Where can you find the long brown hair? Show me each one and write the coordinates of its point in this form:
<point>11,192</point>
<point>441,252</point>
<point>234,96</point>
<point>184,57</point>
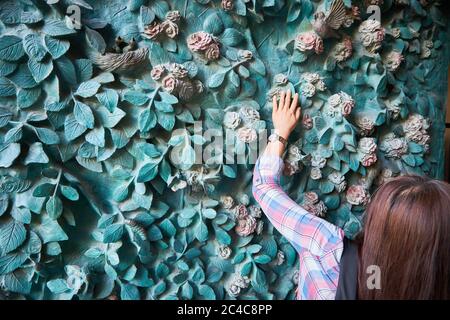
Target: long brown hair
<point>407,235</point>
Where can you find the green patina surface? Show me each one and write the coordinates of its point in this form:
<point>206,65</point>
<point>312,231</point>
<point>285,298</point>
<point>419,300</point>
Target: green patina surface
<point>95,203</point>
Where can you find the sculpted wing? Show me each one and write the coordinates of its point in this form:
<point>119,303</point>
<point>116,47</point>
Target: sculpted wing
<point>336,15</point>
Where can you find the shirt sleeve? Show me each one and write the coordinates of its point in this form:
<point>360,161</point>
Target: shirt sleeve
<point>304,230</point>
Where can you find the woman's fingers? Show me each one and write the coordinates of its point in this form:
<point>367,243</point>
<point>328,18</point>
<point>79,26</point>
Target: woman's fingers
<point>282,96</point>
<point>298,112</point>
<point>287,101</point>
<point>274,103</point>
<point>294,104</point>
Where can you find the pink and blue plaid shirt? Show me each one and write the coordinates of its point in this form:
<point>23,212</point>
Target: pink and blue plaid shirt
<point>319,243</point>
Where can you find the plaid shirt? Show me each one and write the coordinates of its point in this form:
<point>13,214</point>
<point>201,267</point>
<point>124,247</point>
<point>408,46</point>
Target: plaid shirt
<point>319,243</point>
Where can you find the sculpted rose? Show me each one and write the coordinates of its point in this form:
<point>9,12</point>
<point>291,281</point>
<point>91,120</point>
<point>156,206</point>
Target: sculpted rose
<point>249,115</point>
<point>178,70</point>
<point>157,72</point>
<point>170,83</point>
<point>247,135</point>
<point>311,197</point>
<point>199,41</point>
<point>152,30</point>
<point>307,121</point>
<point>170,28</point>
<point>369,159</point>
<point>227,5</point>
<point>347,107</point>
<point>227,202</point>
<point>246,226</point>
<point>231,120</point>
<point>212,52</point>
<point>173,16</point>
<point>318,45</point>
<point>306,41</point>
<point>241,211</point>
<point>357,195</point>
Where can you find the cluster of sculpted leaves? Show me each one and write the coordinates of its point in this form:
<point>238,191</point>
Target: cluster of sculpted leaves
<point>102,194</point>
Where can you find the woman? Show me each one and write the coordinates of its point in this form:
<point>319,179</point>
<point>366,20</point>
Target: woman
<point>403,253</point>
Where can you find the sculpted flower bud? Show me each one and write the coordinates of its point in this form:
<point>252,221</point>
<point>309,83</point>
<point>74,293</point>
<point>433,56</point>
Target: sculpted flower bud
<point>280,79</point>
<point>290,168</point>
<point>308,41</point>
<point>295,277</point>
<point>338,180</point>
<point>227,202</point>
<point>231,120</point>
<point>259,227</point>
<point>316,173</point>
<point>365,124</point>
<point>152,30</point>
<point>416,130</point>
<point>343,50</point>
<point>244,199</point>
<point>384,176</point>
<point>234,290</point>
<point>249,115</point>
<point>394,147</point>
<point>240,212</point>
<point>178,70</point>
<point>340,103</point>
<point>157,72</point>
<point>311,197</point>
<point>348,21</point>
<point>369,159</point>
<point>246,226</point>
<point>170,28</point>
<point>347,107</point>
<point>255,211</point>
<point>245,54</point>
<point>318,209</point>
<point>371,34</point>
<point>308,89</point>
<point>321,86</point>
<point>212,52</point>
<point>318,46</point>
<point>247,135</point>
<point>357,195</point>
<point>356,12</point>
<point>198,86</point>
<point>311,77</point>
<point>224,252</point>
<point>241,281</point>
<point>396,33</point>
<point>293,153</point>
<point>318,161</point>
<point>170,83</point>
<point>367,145</point>
<point>280,258</point>
<point>185,90</point>
<point>307,121</point>
<point>173,16</point>
<point>334,100</point>
<point>393,60</point>
<point>305,41</point>
<point>199,41</point>
<point>227,5</point>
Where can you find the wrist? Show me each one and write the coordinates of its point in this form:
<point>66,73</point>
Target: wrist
<point>282,133</point>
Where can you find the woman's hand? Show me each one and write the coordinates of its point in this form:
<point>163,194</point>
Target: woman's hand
<point>285,113</point>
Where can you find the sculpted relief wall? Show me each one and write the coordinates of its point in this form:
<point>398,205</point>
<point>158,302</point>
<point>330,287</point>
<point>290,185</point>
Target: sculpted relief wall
<point>103,104</point>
